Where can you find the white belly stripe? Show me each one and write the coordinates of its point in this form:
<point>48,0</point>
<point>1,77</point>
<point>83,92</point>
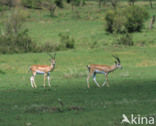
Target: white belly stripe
<point>101,72</point>
<point>40,72</point>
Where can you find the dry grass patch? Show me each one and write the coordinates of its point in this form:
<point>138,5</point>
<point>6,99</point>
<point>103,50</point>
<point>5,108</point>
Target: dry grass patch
<point>146,63</point>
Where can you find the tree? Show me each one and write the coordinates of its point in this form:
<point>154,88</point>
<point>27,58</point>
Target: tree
<point>76,3</point>
<point>100,2</point>
<point>152,22</point>
<point>114,3</point>
<point>150,1</point>
<point>52,9</point>
<point>131,2</point>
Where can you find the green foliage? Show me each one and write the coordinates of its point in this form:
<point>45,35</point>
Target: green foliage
<point>59,3</point>
<point>125,39</point>
<point>52,9</point>
<point>15,39</point>
<point>66,41</point>
<point>36,4</point>
<point>129,19</point>
<point>131,2</point>
<point>135,18</point>
<point>47,47</point>
<point>132,89</point>
<point>77,2</point>
<point>3,8</point>
<point>18,43</point>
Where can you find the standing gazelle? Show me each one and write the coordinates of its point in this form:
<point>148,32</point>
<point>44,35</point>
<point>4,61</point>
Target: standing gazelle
<point>102,69</point>
<point>42,69</point>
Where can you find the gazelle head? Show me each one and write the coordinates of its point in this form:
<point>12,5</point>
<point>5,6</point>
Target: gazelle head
<point>117,62</point>
<point>53,62</point>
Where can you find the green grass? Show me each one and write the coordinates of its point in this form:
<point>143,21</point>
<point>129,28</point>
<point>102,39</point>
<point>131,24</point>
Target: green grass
<point>85,24</point>
<point>131,91</point>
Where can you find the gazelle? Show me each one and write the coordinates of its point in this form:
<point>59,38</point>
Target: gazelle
<point>102,69</point>
<point>42,69</point>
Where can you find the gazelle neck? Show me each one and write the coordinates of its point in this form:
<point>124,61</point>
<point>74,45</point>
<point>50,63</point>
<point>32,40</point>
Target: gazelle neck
<point>52,66</point>
<point>113,68</point>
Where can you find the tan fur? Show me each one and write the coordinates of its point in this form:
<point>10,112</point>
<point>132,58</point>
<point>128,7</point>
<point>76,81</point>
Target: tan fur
<point>42,68</point>
<point>102,68</point>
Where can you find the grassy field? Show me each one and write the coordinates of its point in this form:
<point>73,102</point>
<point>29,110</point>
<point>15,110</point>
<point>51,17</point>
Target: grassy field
<point>85,24</point>
<point>131,91</point>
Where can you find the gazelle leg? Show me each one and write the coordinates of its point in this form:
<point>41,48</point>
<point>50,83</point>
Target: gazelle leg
<point>35,83</point>
<point>107,80</point>
<point>104,82</point>
<point>88,79</point>
<point>45,75</point>
<point>34,74</point>
<point>94,79</point>
<point>48,78</point>
<point>31,81</point>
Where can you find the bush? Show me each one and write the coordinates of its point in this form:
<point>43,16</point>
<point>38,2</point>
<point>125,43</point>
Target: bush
<point>66,41</point>
<point>48,47</point>
<point>52,9</point>
<point>3,8</point>
<point>129,19</point>
<point>15,39</point>
<point>39,4</point>
<point>135,18</point>
<point>76,2</point>
<point>18,43</point>
<point>36,4</point>
<point>59,3</point>
<point>125,39</point>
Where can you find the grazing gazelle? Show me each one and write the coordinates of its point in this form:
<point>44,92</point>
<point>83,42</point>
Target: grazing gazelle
<point>42,69</point>
<point>102,69</point>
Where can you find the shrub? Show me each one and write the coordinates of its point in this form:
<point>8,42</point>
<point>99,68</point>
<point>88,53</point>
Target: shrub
<point>18,43</point>
<point>36,4</point>
<point>9,3</point>
<point>135,18</point>
<point>15,39</point>
<point>59,3</point>
<point>52,9</point>
<point>3,8</point>
<point>47,47</point>
<point>76,2</point>
<point>39,4</point>
<point>66,41</point>
<point>125,39</point>
<point>129,19</point>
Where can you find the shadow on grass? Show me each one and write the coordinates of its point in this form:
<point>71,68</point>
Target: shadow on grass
<point>2,72</point>
<point>75,95</point>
